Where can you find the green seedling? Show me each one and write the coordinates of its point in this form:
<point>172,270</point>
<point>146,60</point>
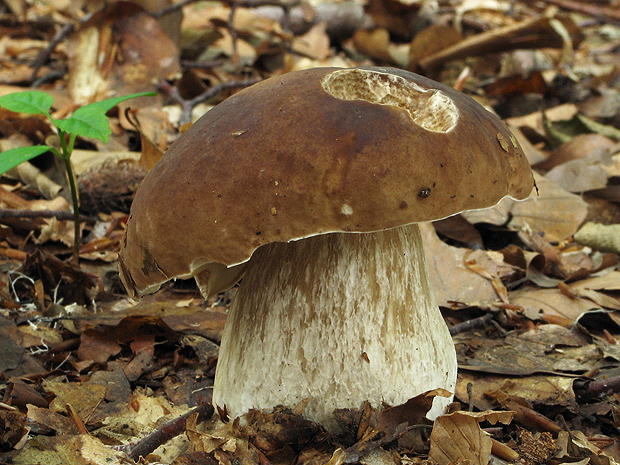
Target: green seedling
<point>88,121</point>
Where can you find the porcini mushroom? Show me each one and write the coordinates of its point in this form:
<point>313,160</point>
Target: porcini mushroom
<point>310,185</point>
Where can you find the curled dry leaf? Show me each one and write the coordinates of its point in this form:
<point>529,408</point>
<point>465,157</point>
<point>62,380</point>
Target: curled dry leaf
<point>547,390</point>
<point>62,281</point>
<point>495,357</point>
<point>32,176</point>
<point>566,263</point>
<point>457,436</point>
<point>86,161</point>
<point>533,153</point>
<point>39,335</point>
<point>457,228</point>
<point>12,428</point>
<point>218,435</point>
<point>578,445</point>
<point>270,432</point>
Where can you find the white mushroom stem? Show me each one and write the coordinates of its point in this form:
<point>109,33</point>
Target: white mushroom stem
<point>341,318</point>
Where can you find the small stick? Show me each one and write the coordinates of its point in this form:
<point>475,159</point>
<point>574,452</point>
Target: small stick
<point>233,33</point>
<point>77,420</point>
<point>164,433</point>
<point>470,324</point>
<point>532,419</point>
<point>44,55</point>
<point>587,8</point>
<point>188,105</point>
<point>504,452</point>
<point>13,253</point>
<point>62,215</point>
<point>602,386</point>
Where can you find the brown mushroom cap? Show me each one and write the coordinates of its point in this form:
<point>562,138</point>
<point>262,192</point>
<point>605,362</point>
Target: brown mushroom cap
<point>312,152</point>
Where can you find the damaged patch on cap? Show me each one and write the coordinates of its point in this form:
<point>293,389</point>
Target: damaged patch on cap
<point>429,108</point>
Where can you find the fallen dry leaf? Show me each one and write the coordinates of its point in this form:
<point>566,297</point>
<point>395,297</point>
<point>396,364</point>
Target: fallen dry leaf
<point>539,304</point>
<point>50,419</point>
<point>81,449</point>
<point>458,436</point>
<point>431,40</point>
<point>451,280</point>
<point>314,43</point>
<point>121,48</point>
<point>12,428</point>
<point>550,210</point>
<point>592,146</point>
<point>599,236</point>
<point>85,399</point>
<point>580,446</point>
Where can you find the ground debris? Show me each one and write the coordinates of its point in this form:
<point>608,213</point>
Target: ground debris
<point>90,376</point>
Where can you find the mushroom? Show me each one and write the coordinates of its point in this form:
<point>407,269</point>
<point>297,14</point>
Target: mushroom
<point>310,185</point>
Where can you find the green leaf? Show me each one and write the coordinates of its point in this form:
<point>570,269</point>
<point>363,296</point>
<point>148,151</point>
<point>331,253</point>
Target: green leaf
<point>31,101</point>
<point>13,157</point>
<point>91,121</point>
<point>603,129</point>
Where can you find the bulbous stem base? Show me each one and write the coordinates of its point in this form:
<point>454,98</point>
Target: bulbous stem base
<point>341,318</point>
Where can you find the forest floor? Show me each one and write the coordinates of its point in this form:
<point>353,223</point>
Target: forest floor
<point>530,290</point>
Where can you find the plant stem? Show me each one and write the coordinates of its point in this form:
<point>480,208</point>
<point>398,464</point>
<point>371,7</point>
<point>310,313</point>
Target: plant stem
<point>66,157</point>
<point>76,211</point>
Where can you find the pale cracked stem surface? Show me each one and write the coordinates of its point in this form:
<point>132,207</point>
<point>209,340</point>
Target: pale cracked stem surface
<point>341,318</point>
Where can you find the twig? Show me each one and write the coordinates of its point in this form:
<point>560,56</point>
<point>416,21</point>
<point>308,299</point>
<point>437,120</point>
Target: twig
<point>76,419</point>
<point>51,76</point>
<point>587,8</point>
<point>530,418</point>
<point>201,65</point>
<point>44,55</point>
<point>188,105</point>
<point>503,451</point>
<point>213,91</point>
<point>603,386</point>
<point>62,215</point>
<point>13,253</point>
<point>470,324</point>
<point>233,32</point>
<point>164,433</point>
